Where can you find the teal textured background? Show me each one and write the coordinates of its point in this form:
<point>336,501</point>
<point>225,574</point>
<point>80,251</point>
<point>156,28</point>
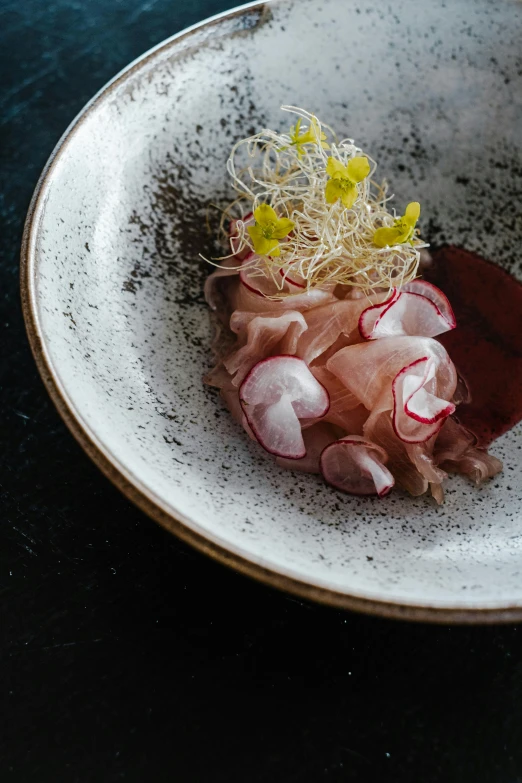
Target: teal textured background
<point>124,654</point>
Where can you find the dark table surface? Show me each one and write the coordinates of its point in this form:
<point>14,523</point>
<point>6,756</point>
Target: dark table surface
<point>124,654</point>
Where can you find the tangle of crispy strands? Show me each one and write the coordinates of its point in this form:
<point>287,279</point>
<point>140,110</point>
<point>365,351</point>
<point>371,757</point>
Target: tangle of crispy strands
<point>329,244</point>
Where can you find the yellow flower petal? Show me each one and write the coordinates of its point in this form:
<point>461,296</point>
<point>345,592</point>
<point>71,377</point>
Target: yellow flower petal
<point>349,196</point>
<point>314,126</point>
<point>313,135</point>
<point>412,213</point>
<point>264,215</point>
<point>332,190</point>
<point>258,240</point>
<point>294,131</point>
<point>283,228</point>
<point>307,138</point>
<point>262,245</point>
<point>358,169</point>
<point>384,237</point>
<point>334,168</point>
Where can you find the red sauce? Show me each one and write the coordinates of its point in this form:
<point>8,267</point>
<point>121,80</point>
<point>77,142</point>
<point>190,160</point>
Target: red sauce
<point>486,346</point>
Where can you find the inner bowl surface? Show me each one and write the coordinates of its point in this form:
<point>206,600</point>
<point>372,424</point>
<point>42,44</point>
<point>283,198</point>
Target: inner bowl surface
<point>112,283</point>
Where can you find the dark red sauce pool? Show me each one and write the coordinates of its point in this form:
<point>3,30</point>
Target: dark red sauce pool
<point>486,346</point>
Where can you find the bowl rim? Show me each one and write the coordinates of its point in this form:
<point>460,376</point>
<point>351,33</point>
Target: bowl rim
<point>130,485</point>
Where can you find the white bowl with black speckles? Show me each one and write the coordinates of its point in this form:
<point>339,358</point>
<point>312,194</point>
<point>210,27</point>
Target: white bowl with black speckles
<point>112,284</point>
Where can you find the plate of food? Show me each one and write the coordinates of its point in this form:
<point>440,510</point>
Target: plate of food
<point>271,279</point>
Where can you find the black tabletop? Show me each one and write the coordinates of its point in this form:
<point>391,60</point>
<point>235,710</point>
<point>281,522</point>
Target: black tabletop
<point>124,654</point>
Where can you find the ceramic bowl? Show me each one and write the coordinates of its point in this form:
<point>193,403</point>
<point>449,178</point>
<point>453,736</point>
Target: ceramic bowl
<point>112,284</point>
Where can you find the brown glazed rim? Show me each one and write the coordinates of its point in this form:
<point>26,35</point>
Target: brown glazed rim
<point>130,485</point>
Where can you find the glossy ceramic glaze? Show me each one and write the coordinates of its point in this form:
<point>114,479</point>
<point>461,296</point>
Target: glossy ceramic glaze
<point>112,284</point>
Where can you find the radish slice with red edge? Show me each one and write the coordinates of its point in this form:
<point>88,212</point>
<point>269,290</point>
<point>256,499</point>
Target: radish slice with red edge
<point>243,298</point>
<point>408,313</point>
<point>231,399</point>
<point>315,438</point>
<point>263,285</point>
<point>357,466</point>
<point>435,295</point>
<point>276,393</point>
<point>293,278</point>
<point>254,281</point>
<point>369,318</point>
<point>418,413</point>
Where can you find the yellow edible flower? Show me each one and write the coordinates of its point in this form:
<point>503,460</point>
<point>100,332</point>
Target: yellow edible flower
<point>344,179</point>
<point>403,228</point>
<point>311,136</point>
<point>268,230</point>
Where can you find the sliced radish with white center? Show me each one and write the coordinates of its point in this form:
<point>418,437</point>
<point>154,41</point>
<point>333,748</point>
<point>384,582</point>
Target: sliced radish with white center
<point>435,295</point>
<point>277,428</point>
<point>368,369</point>
<point>276,393</point>
<point>408,313</point>
<point>261,336</point>
<point>370,317</point>
<point>356,466</point>
<point>418,413</point>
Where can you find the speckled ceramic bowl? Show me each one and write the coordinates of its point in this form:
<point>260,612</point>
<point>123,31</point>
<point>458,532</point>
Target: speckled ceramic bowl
<point>112,284</point>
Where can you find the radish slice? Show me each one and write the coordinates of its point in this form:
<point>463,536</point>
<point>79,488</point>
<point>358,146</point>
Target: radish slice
<point>476,464</point>
<point>229,266</point>
<point>231,399</point>
<point>263,285</point>
<point>315,439</point>
<point>462,393</point>
<point>437,492</point>
<point>421,455</point>
<point>211,290</point>
<point>453,441</point>
<point>378,429</point>
<point>293,278</point>
<point>368,369</point>
<point>341,399</point>
<point>243,298</point>
<point>276,393</point>
<point>345,411</point>
<point>326,324</point>
<point>455,450</point>
<point>370,317</point>
<point>436,296</point>
<point>407,313</point>
<point>356,466</point>
<point>262,335</point>
<point>254,281</point>
<point>418,413</point>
